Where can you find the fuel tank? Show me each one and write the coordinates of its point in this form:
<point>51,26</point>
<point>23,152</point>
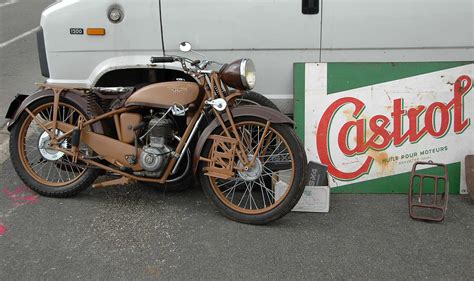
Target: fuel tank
<point>165,94</point>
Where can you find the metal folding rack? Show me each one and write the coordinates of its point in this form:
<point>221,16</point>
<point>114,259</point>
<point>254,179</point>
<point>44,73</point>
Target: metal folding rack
<point>419,202</point>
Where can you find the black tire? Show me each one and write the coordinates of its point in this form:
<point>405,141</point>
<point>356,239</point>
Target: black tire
<point>287,203</point>
<point>254,98</point>
<point>83,181</point>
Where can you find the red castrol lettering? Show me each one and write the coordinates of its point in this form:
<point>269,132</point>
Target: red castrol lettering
<point>450,113</point>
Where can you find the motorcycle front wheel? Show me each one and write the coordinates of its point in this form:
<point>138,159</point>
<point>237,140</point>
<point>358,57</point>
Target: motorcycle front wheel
<point>268,190</point>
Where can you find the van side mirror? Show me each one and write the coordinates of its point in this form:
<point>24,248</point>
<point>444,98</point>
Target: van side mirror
<point>185,47</point>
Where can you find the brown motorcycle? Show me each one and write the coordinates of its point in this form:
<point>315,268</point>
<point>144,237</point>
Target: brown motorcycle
<point>248,158</point>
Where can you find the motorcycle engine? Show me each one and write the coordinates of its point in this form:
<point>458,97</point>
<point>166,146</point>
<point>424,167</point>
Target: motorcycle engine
<point>156,153</point>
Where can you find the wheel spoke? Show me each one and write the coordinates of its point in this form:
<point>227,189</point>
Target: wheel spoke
<point>37,157</point>
<point>262,185</point>
<point>39,163</point>
<point>261,190</point>
<point>279,166</point>
<point>272,154</point>
<point>58,169</point>
<point>251,196</point>
<point>269,172</point>
<point>243,195</point>
<point>228,182</point>
<point>230,189</point>
<point>49,171</point>
<point>268,191</point>
<point>45,162</point>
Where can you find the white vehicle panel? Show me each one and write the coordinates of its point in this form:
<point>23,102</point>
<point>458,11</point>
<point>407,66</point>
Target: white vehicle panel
<point>273,33</point>
<point>77,56</point>
<point>239,24</point>
<point>404,30</point>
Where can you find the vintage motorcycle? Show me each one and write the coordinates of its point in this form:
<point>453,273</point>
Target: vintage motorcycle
<point>249,161</point>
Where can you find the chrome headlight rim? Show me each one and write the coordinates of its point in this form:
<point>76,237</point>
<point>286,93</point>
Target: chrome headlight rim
<point>244,65</point>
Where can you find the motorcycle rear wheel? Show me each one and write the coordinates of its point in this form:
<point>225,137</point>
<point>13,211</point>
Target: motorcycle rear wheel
<point>280,163</point>
<point>44,170</point>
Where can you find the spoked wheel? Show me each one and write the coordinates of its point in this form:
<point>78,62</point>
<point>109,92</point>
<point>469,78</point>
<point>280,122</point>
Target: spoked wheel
<point>269,189</point>
<point>42,168</point>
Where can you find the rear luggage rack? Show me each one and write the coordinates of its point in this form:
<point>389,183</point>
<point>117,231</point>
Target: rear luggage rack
<point>429,203</point>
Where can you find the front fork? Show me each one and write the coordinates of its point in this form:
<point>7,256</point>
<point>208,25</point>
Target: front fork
<point>215,85</point>
<point>225,148</point>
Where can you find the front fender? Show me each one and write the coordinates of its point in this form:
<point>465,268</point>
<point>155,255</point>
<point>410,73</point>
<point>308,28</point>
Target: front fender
<point>21,102</point>
<point>262,112</point>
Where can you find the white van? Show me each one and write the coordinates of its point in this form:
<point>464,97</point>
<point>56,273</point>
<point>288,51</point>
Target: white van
<point>90,43</point>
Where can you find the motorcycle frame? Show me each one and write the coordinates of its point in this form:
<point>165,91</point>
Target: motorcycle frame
<point>215,88</point>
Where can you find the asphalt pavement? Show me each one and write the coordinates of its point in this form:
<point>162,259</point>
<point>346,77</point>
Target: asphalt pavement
<point>139,233</point>
<point>19,65</point>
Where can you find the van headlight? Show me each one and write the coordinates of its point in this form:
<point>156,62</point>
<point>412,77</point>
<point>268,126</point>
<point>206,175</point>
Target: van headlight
<point>240,74</point>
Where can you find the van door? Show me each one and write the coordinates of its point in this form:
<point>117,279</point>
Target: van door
<point>404,30</point>
<point>274,33</point>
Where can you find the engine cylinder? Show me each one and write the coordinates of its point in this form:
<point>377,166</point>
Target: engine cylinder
<point>161,131</point>
<point>156,153</point>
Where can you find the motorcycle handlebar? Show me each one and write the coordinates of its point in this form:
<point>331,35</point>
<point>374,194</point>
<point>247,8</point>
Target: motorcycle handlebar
<point>162,59</point>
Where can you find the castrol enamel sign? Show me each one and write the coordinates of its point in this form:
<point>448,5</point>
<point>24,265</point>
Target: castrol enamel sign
<point>391,116</point>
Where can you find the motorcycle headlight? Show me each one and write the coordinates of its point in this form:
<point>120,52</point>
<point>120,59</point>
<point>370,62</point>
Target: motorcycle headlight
<point>239,75</point>
<point>247,73</point>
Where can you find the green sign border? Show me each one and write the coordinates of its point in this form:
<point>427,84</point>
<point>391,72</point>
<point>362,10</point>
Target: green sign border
<point>299,70</point>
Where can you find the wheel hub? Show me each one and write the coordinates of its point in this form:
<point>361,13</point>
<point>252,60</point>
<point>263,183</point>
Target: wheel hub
<point>252,173</point>
<point>44,146</point>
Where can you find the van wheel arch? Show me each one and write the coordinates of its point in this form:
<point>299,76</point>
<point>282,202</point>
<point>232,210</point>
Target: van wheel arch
<point>139,77</point>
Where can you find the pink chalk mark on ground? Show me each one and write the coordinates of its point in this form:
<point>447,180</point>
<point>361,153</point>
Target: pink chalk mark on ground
<point>3,229</point>
<point>21,195</point>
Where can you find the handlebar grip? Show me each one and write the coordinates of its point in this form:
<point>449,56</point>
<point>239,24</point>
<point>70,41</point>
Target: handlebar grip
<point>161,59</point>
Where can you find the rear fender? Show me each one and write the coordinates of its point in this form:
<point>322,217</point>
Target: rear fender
<point>262,112</point>
<point>14,105</point>
<point>21,102</point>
